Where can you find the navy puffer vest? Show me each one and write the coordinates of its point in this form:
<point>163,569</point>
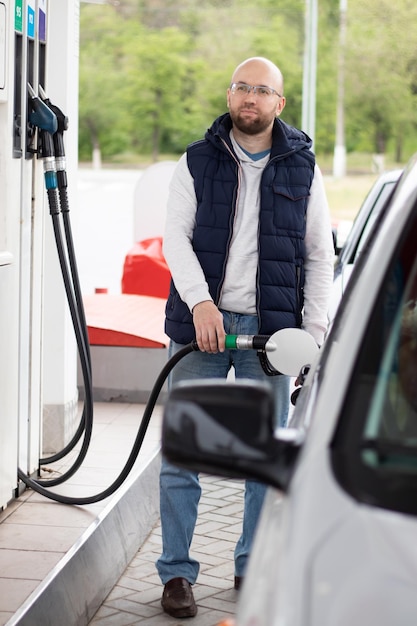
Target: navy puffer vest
<point>285,189</point>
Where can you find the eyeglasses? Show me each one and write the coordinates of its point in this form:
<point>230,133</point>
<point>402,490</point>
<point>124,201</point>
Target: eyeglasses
<point>242,89</point>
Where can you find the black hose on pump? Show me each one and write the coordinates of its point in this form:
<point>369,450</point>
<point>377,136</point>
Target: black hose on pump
<point>36,486</point>
<point>74,297</point>
<point>59,205</point>
<point>51,139</point>
<point>80,333</point>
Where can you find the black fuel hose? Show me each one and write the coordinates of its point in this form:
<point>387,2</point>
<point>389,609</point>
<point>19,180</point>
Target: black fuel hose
<point>46,121</point>
<point>86,424</point>
<point>59,205</point>
<point>36,486</point>
<point>82,338</point>
<point>233,342</point>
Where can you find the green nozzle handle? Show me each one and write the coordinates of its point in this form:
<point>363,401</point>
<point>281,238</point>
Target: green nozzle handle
<point>231,341</point>
<point>247,342</point>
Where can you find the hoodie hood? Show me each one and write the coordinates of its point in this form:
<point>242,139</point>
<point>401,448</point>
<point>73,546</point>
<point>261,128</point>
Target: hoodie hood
<point>286,139</point>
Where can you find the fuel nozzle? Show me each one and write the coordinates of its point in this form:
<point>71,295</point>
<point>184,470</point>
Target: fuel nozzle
<point>250,342</point>
<point>62,125</point>
<point>45,120</point>
<point>288,351</point>
<point>261,343</point>
<point>41,115</point>
<point>59,149</point>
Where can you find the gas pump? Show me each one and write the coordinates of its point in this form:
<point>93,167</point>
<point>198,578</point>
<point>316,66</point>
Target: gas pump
<point>38,47</point>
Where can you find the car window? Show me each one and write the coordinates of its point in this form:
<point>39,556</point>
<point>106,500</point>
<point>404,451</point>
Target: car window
<point>374,450</point>
<point>386,191</point>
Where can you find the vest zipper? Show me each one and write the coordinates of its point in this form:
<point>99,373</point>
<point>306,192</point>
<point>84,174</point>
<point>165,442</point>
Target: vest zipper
<point>234,211</point>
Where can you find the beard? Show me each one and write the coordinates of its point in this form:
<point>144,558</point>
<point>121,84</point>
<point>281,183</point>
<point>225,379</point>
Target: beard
<point>252,125</point>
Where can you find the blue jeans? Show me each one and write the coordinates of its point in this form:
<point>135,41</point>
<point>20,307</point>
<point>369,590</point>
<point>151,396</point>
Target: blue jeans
<point>180,489</point>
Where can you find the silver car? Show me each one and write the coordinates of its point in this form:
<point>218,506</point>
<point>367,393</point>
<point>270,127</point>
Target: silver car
<point>336,543</point>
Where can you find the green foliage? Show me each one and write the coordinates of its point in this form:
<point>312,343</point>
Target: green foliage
<point>100,82</point>
<point>381,50</point>
<point>154,73</point>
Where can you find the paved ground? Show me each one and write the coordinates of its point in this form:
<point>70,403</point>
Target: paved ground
<point>136,597</point>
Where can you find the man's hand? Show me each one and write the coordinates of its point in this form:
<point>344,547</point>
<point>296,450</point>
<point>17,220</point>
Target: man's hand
<point>209,328</point>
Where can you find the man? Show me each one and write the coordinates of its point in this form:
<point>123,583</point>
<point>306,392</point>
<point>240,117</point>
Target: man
<point>248,242</point>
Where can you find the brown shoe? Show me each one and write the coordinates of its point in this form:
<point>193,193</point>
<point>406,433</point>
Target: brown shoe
<point>177,598</point>
<point>238,582</point>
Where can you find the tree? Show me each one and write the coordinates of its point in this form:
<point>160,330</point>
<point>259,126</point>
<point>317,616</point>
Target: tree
<point>381,50</point>
<point>159,88</point>
<point>100,81</point>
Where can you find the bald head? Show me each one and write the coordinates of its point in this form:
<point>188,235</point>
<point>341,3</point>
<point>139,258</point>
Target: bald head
<point>259,71</point>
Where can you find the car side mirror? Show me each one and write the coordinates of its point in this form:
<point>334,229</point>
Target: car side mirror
<point>226,428</point>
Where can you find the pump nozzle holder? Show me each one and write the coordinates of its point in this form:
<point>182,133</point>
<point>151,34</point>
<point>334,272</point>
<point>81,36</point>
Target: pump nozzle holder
<point>61,117</point>
<point>41,115</point>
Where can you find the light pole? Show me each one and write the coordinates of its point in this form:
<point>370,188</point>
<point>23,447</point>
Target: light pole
<point>308,122</point>
<point>339,157</point>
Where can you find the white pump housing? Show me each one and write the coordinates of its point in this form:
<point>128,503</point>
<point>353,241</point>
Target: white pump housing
<point>38,391</point>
